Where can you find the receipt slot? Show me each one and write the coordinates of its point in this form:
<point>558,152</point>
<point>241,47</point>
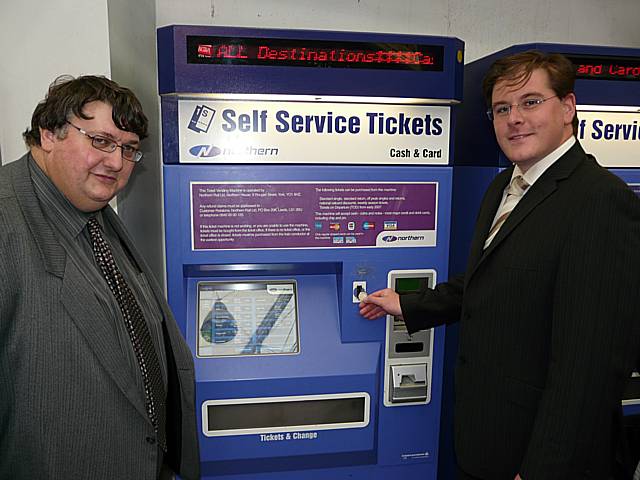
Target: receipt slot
<point>409,383</point>
<point>300,168</point>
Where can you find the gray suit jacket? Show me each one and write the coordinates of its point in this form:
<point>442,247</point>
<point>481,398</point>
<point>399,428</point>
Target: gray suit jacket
<point>69,408</point>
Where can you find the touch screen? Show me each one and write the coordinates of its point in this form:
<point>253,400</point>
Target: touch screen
<point>247,318</point>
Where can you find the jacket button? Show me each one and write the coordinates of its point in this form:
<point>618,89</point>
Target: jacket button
<point>151,440</point>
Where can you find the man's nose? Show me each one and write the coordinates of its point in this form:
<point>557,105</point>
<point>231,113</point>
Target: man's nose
<point>515,115</point>
<point>114,160</point>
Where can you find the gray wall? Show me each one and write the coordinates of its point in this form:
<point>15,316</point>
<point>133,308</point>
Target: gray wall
<point>39,41</point>
<point>484,25</point>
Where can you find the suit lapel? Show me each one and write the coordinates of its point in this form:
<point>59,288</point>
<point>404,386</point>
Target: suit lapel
<point>77,296</point>
<point>52,254</point>
<point>540,190</point>
<point>82,305</point>
<point>487,212</point>
<point>171,328</point>
<point>117,225</point>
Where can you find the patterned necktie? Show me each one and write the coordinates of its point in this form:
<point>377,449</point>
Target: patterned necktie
<point>516,189</point>
<point>155,396</point>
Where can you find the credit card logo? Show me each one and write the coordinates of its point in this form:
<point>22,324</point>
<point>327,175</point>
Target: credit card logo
<point>390,225</point>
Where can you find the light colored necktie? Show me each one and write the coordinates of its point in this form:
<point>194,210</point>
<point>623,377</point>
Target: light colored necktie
<point>517,187</point>
<point>155,396</point>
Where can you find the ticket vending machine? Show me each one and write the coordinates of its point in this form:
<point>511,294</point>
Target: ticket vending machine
<point>608,104</point>
<point>301,169</point>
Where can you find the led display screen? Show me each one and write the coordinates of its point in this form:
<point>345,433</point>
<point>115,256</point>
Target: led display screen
<point>595,67</point>
<point>313,53</point>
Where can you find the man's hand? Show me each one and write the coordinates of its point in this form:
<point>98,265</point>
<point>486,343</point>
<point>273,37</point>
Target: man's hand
<point>380,303</point>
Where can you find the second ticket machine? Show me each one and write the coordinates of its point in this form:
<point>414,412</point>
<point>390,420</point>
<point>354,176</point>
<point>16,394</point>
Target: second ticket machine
<point>302,169</point>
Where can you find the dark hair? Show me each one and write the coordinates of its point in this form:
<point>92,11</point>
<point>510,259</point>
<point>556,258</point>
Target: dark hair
<point>68,95</point>
<point>517,69</point>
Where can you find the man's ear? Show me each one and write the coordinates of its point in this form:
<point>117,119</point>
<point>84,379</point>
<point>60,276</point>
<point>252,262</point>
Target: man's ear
<point>47,139</point>
<point>569,105</point>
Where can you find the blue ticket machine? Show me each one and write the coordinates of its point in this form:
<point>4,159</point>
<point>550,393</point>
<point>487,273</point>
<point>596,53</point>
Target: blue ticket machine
<point>608,103</point>
<point>302,169</point>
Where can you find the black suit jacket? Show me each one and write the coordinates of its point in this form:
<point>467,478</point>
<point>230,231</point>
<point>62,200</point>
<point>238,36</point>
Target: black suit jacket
<point>550,319</point>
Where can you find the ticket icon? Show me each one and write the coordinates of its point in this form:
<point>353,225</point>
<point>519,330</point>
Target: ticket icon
<point>201,118</point>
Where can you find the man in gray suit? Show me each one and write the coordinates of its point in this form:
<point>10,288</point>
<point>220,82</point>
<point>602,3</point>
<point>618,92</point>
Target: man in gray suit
<point>96,381</point>
<point>548,308</point>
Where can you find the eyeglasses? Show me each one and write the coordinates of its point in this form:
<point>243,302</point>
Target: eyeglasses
<point>503,110</point>
<point>105,144</point>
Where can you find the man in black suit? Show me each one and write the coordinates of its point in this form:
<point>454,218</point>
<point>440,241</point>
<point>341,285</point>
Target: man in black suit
<point>548,302</point>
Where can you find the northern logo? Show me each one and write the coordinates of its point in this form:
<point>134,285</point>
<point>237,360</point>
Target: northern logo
<point>205,151</point>
<point>403,238</point>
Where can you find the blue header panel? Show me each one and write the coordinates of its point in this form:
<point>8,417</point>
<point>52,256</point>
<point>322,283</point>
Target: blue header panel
<point>195,59</point>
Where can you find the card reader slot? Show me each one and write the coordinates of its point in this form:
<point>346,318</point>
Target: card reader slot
<point>409,347</point>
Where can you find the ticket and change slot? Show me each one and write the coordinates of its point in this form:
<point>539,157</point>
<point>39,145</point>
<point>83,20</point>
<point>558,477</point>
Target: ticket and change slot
<point>294,414</point>
<point>408,360</point>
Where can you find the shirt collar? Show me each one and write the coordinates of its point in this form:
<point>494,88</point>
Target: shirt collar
<point>541,166</point>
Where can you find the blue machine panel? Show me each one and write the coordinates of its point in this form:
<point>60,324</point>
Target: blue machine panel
<point>333,400</point>
<point>340,352</point>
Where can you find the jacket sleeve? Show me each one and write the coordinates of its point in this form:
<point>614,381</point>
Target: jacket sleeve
<point>594,340</point>
<point>432,307</point>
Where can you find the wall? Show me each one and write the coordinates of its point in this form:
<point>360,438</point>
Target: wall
<point>40,41</point>
<point>485,26</point>
<point>132,45</point>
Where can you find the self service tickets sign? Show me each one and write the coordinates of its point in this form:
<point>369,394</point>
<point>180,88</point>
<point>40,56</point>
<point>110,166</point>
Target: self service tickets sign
<point>221,131</point>
<point>611,134</point>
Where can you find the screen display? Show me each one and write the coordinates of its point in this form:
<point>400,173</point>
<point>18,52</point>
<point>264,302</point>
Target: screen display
<point>247,318</point>
<point>313,53</point>
<point>410,284</point>
<point>606,68</point>
<point>405,285</point>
